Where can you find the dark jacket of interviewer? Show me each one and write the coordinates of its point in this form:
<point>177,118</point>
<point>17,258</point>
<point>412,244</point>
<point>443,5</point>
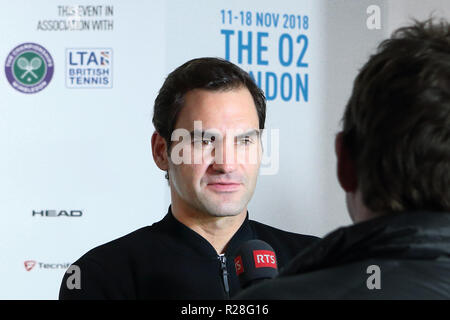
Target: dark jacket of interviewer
<point>168,260</point>
<point>399,256</point>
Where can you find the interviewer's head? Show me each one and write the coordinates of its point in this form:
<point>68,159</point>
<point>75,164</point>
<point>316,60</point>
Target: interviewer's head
<point>394,149</point>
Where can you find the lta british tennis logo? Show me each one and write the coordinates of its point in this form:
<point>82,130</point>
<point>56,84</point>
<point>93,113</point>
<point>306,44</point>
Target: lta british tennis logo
<point>29,68</point>
<point>89,68</point>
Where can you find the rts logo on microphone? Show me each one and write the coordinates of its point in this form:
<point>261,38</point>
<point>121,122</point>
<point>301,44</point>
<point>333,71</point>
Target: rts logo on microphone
<point>264,259</point>
<point>238,265</point>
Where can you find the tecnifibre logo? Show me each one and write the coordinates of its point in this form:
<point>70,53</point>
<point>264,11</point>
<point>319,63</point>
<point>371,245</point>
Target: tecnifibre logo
<point>31,264</point>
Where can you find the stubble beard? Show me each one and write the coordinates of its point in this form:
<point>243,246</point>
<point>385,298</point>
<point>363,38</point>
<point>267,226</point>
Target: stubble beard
<point>213,206</point>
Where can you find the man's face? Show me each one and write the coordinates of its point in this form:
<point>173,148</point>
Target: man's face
<point>221,180</point>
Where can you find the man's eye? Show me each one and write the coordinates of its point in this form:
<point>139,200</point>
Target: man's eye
<point>245,141</point>
<point>207,142</point>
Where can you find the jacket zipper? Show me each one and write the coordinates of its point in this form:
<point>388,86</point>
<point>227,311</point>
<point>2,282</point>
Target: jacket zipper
<point>223,263</point>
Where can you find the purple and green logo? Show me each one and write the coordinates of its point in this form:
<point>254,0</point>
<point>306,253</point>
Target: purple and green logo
<point>29,68</point>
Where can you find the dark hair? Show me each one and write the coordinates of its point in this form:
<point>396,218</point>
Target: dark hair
<point>397,121</point>
<point>202,73</point>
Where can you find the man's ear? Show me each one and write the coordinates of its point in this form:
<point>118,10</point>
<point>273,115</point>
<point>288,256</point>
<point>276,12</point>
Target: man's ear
<point>159,150</point>
<point>346,167</point>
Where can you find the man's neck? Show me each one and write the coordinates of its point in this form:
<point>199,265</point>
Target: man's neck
<point>216,230</point>
<point>358,211</point>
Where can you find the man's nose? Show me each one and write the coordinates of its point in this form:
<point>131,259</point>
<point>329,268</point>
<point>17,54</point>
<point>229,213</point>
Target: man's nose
<point>225,157</point>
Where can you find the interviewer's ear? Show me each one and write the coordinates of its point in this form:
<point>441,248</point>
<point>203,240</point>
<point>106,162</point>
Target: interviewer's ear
<point>159,150</point>
<point>346,167</point>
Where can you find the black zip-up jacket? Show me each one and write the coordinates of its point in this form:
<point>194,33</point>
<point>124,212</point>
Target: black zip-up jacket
<point>170,261</point>
<point>398,256</point>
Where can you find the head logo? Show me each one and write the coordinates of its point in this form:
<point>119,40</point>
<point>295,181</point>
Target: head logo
<point>29,68</point>
<point>57,213</point>
<point>29,264</point>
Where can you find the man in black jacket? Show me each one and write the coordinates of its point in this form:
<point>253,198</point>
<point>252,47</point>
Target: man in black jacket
<point>393,161</point>
<point>208,118</point>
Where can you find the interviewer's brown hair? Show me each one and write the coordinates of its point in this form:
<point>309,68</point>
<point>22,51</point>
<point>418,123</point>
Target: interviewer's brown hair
<point>397,121</point>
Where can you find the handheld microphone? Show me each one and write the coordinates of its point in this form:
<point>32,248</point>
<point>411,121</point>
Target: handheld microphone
<point>255,261</point>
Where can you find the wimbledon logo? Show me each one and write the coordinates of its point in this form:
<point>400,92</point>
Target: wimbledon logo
<point>29,68</point>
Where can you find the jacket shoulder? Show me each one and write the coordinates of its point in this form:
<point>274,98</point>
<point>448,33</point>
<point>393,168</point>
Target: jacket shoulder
<point>391,280</point>
<point>271,232</point>
<point>136,240</point>
<point>286,244</point>
<point>107,270</point>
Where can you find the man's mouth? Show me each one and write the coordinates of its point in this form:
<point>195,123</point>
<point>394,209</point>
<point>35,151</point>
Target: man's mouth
<point>224,186</point>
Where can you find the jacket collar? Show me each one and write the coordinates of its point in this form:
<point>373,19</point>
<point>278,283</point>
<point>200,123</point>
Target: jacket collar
<point>408,235</point>
<point>190,242</point>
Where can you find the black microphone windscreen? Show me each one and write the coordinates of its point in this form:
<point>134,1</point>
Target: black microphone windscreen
<point>255,261</point>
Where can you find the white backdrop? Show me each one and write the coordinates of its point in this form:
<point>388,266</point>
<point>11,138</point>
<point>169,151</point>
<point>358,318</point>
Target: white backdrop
<point>76,167</point>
